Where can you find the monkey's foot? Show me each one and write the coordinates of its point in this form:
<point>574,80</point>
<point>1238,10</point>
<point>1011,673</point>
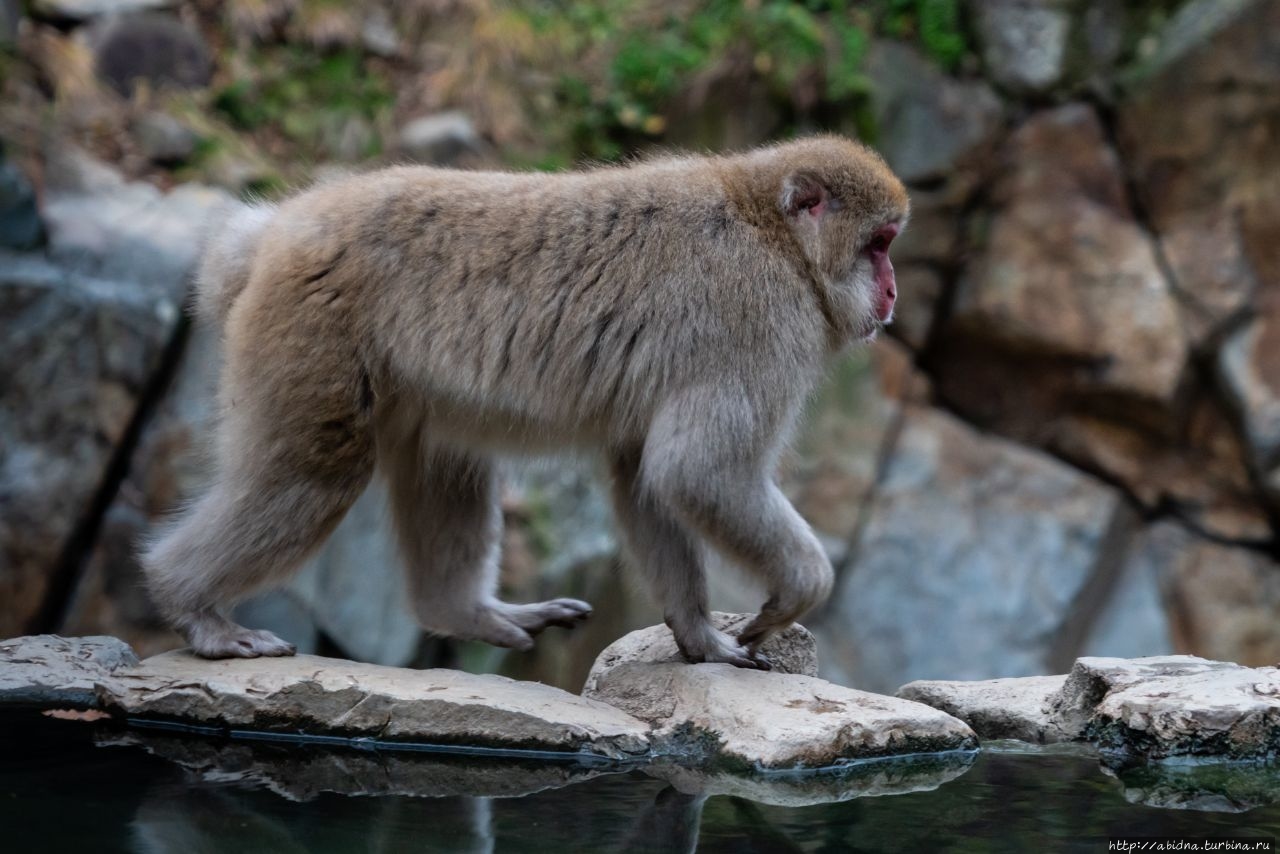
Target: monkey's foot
<point>511,626</point>
<point>213,636</point>
<point>536,616</point>
<point>715,647</point>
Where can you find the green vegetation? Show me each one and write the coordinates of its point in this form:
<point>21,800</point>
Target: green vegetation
<point>311,99</point>
<point>624,63</point>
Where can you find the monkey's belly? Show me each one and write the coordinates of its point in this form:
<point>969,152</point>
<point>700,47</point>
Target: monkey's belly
<point>490,429</point>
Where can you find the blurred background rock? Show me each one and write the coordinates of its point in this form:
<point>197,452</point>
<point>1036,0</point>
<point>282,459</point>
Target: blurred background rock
<point>1070,444</point>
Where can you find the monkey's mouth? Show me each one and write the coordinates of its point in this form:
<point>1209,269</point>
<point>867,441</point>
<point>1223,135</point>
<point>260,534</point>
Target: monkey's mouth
<point>884,308</point>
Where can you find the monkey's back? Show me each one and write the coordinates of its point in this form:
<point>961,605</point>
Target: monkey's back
<point>540,306</point>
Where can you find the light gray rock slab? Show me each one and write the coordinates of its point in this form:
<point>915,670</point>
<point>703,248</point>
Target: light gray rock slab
<point>1014,708</point>
<point>323,696</point>
<point>50,670</point>
<point>736,720</point>
<point>790,651</point>
<point>1181,706</point>
<point>1172,707</point>
<point>102,225</point>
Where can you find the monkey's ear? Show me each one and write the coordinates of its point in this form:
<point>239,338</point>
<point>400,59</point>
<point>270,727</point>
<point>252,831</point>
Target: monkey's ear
<point>804,193</point>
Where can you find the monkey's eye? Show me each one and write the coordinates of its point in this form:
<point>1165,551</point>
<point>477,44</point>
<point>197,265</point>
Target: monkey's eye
<point>880,241</point>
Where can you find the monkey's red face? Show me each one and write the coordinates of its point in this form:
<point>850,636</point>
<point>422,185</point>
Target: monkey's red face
<point>877,252</point>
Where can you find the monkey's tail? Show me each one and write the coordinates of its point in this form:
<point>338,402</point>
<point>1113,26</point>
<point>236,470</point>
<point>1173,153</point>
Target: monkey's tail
<point>227,260</point>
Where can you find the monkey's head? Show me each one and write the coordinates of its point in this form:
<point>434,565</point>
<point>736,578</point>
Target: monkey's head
<point>844,207</point>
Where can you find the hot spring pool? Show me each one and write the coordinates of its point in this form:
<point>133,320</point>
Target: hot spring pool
<point>73,786</point>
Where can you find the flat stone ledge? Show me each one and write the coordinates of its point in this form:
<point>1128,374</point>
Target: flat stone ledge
<point>731,719</point>
<point>50,670</point>
<point>328,696</point>
<point>996,708</point>
<point>1143,709</point>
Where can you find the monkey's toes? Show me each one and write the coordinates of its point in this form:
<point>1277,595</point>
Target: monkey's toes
<point>738,656</point>
<point>748,660</point>
<point>533,618</point>
<point>566,613</point>
<point>243,643</point>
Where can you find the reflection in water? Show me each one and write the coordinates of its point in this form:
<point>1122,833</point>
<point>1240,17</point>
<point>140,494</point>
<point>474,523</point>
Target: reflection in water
<point>302,773</point>
<point>177,819</point>
<point>867,779</point>
<point>454,794</point>
<point>173,819</point>
<point>1233,787</point>
<point>670,823</point>
<point>58,791</point>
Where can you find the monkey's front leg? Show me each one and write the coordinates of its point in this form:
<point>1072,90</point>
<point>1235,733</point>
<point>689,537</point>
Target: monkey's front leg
<point>669,557</point>
<point>719,484</point>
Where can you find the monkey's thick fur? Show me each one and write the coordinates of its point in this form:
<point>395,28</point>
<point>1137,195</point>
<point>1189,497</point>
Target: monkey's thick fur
<point>673,314</point>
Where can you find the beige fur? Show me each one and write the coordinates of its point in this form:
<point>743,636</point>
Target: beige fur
<point>672,314</point>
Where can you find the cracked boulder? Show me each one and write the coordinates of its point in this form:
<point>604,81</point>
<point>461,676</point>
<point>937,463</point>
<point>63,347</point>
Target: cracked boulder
<point>1067,270</point>
<point>325,696</point>
<point>1208,173</point>
<point>733,719</point>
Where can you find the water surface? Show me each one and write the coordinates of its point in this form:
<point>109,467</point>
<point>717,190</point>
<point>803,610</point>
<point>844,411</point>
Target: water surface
<point>72,786</point>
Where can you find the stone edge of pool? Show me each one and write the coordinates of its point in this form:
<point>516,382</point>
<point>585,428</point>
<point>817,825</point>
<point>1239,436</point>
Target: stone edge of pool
<point>642,706</point>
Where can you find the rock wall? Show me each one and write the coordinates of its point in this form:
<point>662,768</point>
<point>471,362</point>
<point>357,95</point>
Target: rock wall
<point>1070,445</point>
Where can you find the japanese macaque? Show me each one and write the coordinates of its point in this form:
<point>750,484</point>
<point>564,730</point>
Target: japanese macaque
<point>673,315</point>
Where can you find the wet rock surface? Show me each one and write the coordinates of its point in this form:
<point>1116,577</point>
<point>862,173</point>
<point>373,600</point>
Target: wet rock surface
<point>329,696</point>
<point>49,670</point>
<point>749,719</point>
<point>1171,709</point>
<point>791,651</point>
<point>995,708</point>
<point>1144,709</point>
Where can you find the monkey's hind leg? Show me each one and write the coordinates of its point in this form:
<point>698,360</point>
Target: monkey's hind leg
<point>447,518</point>
<point>283,484</point>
